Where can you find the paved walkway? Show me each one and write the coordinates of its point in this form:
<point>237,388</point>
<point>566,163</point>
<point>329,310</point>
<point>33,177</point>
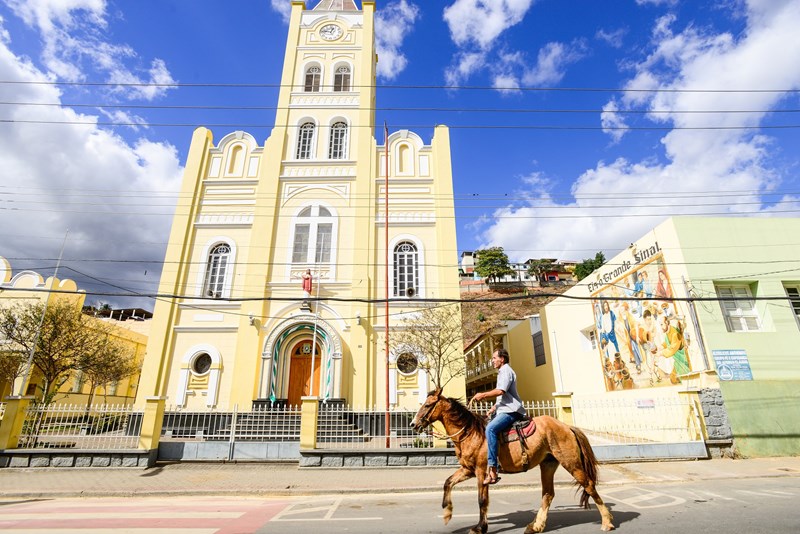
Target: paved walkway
<point>288,479</point>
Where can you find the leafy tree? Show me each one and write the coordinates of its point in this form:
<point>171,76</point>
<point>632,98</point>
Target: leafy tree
<point>66,335</point>
<point>492,263</point>
<point>586,267</point>
<point>110,361</point>
<point>539,269</point>
<point>434,333</point>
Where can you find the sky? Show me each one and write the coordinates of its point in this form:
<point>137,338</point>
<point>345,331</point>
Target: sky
<point>576,125</point>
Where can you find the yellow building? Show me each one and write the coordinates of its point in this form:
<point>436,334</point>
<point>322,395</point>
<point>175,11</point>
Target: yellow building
<point>255,218</point>
<point>31,287</point>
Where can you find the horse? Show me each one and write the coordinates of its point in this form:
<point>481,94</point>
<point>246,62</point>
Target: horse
<point>554,443</point>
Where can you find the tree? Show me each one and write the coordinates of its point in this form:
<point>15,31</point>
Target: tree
<point>492,263</point>
<point>435,334</point>
<point>588,266</point>
<point>110,361</point>
<point>539,269</point>
<point>65,336</point>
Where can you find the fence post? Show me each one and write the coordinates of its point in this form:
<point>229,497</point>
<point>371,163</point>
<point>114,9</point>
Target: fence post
<point>309,415</point>
<point>152,422</point>
<point>232,437</point>
<point>696,421</point>
<point>13,420</point>
<point>564,407</point>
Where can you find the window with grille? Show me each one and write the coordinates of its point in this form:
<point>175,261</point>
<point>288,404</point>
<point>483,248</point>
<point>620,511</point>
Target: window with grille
<point>406,270</point>
<point>338,140</point>
<point>738,308</point>
<point>313,77</point>
<point>305,139</point>
<point>793,292</point>
<point>216,268</point>
<point>341,79</point>
<point>314,233</point>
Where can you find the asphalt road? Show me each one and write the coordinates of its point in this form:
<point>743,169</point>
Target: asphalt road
<point>752,506</point>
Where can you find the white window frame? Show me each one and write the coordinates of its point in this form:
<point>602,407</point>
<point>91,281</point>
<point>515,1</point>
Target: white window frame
<point>218,270</point>
<point>315,87</point>
<point>339,77</point>
<point>345,138</point>
<point>311,152</point>
<point>228,279</point>
<point>313,221</point>
<point>737,305</point>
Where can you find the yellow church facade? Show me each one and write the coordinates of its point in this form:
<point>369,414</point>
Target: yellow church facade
<point>244,325</point>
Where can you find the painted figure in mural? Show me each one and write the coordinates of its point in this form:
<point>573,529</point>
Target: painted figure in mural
<point>647,286</point>
<point>307,283</point>
<point>507,410</point>
<point>674,347</point>
<point>646,335</point>
<point>629,323</point>
<point>607,332</point>
<point>663,289</point>
<point>638,292</point>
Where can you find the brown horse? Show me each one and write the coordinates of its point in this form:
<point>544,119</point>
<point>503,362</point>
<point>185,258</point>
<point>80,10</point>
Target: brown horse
<point>554,443</point>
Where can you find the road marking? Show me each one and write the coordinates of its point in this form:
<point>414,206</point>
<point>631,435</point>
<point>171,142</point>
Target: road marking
<point>115,530</point>
<point>721,497</point>
<point>760,493</point>
<point>166,514</point>
<point>304,508</point>
<point>643,496</point>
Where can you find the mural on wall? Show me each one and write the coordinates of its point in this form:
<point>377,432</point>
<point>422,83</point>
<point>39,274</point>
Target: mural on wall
<point>644,338</point>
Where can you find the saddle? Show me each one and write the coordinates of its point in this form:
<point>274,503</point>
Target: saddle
<point>520,432</point>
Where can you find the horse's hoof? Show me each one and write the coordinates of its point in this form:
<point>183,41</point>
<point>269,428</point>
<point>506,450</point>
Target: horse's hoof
<point>608,528</point>
<point>534,529</point>
<point>448,515</point>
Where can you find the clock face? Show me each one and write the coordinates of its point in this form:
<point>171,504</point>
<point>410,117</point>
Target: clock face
<point>329,32</point>
<point>306,348</point>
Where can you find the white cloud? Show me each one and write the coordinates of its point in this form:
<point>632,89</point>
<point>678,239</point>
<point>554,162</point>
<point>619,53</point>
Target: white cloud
<point>284,7</point>
<point>657,2</point>
<point>465,65</point>
<point>552,62</point>
<point>613,38</point>
<point>481,22</point>
<point>73,44</point>
<point>392,24</point>
<point>613,123</point>
<point>82,178</point>
<point>619,201</point>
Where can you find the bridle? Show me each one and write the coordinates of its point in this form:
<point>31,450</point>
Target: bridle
<point>423,422</point>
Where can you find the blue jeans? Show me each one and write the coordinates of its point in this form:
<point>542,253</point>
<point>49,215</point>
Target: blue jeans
<point>500,423</point>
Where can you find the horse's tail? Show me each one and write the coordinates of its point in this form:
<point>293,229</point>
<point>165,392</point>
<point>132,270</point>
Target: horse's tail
<point>588,460</point>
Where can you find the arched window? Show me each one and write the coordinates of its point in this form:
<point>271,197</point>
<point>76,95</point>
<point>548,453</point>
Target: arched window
<point>313,76</point>
<point>341,79</point>
<point>313,235</point>
<point>305,140</point>
<point>404,164</point>
<point>235,159</point>
<point>216,268</point>
<point>406,269</point>
<point>336,150</point>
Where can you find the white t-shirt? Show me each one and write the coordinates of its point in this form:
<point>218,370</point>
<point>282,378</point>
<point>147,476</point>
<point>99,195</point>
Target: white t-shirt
<point>509,401</point>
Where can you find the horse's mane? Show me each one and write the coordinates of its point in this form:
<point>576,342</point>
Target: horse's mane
<point>463,417</point>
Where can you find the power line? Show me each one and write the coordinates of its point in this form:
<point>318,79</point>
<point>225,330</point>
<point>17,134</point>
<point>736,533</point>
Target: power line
<point>389,86</point>
<point>551,127</point>
<point>405,108</point>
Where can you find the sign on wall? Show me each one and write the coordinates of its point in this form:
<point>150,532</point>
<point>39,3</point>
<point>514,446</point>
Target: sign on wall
<point>645,339</point>
<point>732,364</point>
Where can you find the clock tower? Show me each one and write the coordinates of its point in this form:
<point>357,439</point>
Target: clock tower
<point>309,201</point>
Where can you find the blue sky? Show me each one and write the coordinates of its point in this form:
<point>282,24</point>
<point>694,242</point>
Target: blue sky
<point>558,172</point>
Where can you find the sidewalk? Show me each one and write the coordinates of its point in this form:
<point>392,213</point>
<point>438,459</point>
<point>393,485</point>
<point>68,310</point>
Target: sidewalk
<point>288,479</point>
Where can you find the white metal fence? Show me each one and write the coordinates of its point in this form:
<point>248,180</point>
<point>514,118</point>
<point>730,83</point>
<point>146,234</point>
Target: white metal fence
<point>622,420</point>
<point>534,408</point>
<point>2,410</point>
<point>279,423</point>
<point>346,427</point>
<point>72,426</point>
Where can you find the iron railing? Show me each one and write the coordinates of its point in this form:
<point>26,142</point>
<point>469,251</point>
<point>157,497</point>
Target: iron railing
<point>346,427</point>
<point>279,423</point>
<point>73,426</point>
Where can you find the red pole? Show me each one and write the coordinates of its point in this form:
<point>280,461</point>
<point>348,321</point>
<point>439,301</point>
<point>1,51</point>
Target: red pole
<point>386,269</point>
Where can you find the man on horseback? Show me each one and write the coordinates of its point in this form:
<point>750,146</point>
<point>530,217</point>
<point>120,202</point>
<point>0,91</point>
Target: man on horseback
<point>507,409</point>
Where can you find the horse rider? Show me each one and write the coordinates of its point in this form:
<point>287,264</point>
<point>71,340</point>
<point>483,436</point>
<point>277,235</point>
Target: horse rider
<point>507,409</point>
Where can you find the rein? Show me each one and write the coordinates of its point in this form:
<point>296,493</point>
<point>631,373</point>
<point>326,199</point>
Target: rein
<point>439,435</point>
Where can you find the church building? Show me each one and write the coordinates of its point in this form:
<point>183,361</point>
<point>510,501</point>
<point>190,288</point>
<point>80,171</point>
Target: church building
<point>276,256</point>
